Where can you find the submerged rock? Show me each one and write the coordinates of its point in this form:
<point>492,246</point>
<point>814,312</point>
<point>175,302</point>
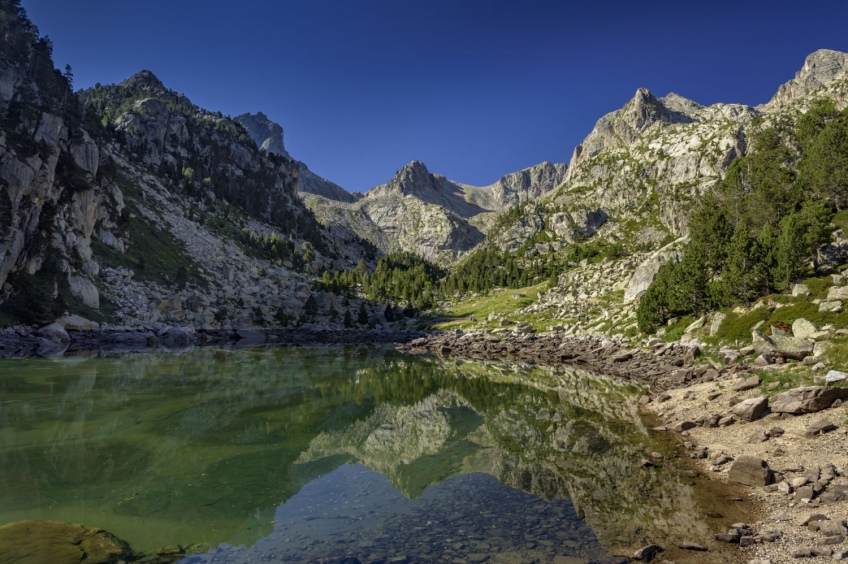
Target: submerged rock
<point>57,542</point>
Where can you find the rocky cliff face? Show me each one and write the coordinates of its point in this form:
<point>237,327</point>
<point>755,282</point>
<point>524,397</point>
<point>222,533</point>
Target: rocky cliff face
<point>267,134</point>
<point>643,167</point>
<point>53,193</point>
<point>821,74</point>
<point>169,213</point>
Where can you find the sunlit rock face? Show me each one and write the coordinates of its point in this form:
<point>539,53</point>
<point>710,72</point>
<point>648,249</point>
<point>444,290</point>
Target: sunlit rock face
<point>428,214</point>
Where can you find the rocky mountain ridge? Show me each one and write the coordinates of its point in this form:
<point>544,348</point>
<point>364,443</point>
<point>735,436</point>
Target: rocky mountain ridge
<point>637,175</point>
<point>430,215</point>
<point>130,204</point>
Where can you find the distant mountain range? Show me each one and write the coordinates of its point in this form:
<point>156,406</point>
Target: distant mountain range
<point>116,199</point>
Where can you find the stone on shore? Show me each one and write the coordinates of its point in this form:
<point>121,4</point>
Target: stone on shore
<point>750,471</point>
<point>751,409</point>
<point>77,323</point>
<point>807,399</point>
<point>54,332</point>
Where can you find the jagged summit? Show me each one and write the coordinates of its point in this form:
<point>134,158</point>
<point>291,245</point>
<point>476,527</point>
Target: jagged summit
<point>622,126</point>
<point>412,179</point>
<point>268,135</point>
<point>144,80</point>
<point>821,68</point>
<point>678,103</point>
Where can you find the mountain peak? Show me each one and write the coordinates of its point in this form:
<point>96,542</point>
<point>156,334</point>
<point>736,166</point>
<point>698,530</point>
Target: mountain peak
<point>143,80</point>
<point>645,109</point>
<point>412,177</point>
<point>821,68</point>
<point>267,134</point>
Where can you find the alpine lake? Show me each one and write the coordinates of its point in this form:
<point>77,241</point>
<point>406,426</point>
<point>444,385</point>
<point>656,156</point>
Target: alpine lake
<point>356,453</point>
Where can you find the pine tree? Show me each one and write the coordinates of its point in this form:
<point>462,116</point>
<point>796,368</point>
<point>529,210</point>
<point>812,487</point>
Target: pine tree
<point>363,314</point>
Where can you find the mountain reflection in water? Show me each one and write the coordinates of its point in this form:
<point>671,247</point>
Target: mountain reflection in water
<point>227,447</point>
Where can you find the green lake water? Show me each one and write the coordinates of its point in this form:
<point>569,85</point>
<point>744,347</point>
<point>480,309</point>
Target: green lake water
<point>297,454</point>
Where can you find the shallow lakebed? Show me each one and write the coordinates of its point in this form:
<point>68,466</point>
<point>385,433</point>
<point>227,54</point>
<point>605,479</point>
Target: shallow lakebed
<point>297,454</point>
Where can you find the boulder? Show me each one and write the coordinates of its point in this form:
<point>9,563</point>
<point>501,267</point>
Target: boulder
<point>647,553</point>
<point>792,347</point>
<point>85,290</point>
<point>800,290</point>
<point>832,528</point>
<point>695,325</point>
<point>761,343</point>
<point>802,328</point>
<point>835,376</point>
<point>819,428</point>
<point>837,293</point>
<point>746,384</point>
<point>807,399</point>
<point>55,333</point>
<point>53,541</point>
<point>751,409</point>
<point>77,323</point>
<point>750,471</point>
<point>834,306</point>
<point>645,274</point>
<point>715,324</point>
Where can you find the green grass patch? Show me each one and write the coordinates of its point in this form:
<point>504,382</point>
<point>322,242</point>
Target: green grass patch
<point>497,301</point>
<point>836,357</point>
<point>840,220</point>
<point>818,286</point>
<point>794,379</point>
<point>738,327</point>
<point>675,331</point>
<point>809,311</point>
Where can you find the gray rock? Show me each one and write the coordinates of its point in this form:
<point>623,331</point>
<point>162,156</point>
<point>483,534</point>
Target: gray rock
<point>692,546</point>
<point>835,376</point>
<point>834,306</point>
<point>746,384</point>
<point>695,325</point>
<point>762,344</point>
<point>750,471</point>
<point>792,347</point>
<point>819,428</point>
<point>645,274</point>
<point>807,399</point>
<point>55,333</point>
<point>715,324</point>
<point>757,437</point>
<point>684,426</point>
<point>77,323</point>
<point>837,293</point>
<point>800,290</point>
<point>647,553</point>
<point>802,328</point>
<point>751,409</point>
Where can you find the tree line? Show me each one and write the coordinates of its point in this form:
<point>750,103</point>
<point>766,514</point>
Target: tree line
<point>760,229</point>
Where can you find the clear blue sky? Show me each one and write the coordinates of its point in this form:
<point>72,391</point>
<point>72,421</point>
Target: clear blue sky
<point>474,89</point>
